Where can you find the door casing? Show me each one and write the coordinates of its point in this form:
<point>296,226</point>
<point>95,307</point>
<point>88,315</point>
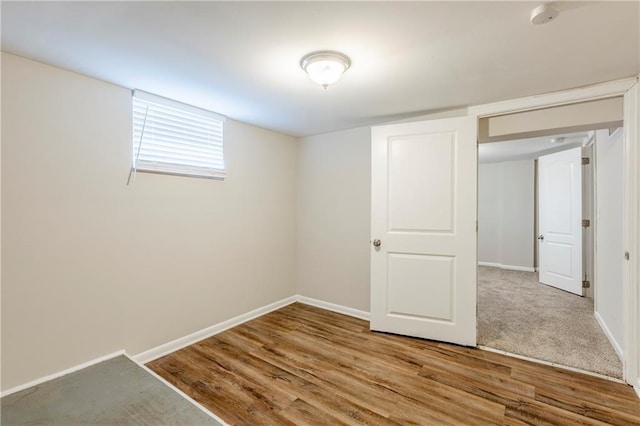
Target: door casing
<point>628,88</point>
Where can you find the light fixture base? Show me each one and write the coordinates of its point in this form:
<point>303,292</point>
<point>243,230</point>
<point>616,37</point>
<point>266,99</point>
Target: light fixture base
<point>325,66</point>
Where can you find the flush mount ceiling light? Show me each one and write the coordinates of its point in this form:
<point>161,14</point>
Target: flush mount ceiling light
<point>325,67</point>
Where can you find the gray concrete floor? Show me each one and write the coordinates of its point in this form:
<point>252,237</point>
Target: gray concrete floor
<point>114,392</point>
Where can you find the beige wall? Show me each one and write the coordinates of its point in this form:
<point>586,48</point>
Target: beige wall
<point>506,214</point>
<point>334,214</point>
<point>334,217</point>
<point>91,266</point>
<point>490,200</point>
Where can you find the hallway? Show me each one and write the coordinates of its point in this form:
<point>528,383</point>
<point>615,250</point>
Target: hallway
<point>519,315</point>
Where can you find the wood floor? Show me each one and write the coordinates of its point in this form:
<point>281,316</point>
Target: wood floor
<point>303,365</point>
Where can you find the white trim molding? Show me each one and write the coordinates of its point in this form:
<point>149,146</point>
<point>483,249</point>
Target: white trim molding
<point>181,342</point>
<point>190,339</point>
<point>334,307</point>
<point>508,267</point>
<point>563,97</point>
<point>58,374</point>
<point>631,230</point>
<point>607,332</point>
<point>177,344</point>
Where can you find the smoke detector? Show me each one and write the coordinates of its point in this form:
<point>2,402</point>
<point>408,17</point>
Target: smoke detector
<point>543,14</point>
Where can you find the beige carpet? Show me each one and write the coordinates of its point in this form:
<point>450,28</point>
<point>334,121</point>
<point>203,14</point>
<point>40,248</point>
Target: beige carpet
<point>517,314</point>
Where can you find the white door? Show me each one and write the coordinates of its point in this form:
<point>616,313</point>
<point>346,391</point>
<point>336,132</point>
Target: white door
<point>423,216</point>
<point>560,220</point>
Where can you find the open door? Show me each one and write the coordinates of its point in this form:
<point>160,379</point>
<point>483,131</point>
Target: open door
<point>560,220</point>
<point>423,220</point>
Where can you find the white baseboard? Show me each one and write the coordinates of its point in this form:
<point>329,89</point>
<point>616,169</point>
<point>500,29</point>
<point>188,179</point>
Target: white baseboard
<point>178,391</point>
<point>509,267</point>
<point>167,348</point>
<point>491,264</point>
<point>181,342</point>
<point>190,339</point>
<point>70,370</point>
<point>612,340</point>
<point>334,307</point>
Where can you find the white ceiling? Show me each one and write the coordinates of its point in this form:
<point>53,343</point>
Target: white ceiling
<point>408,59</point>
<point>528,149</point>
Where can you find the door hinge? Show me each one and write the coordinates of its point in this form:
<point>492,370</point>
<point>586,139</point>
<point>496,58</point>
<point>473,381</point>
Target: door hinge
<point>586,223</point>
<point>586,284</point>
<point>626,255</point>
<point>585,161</point>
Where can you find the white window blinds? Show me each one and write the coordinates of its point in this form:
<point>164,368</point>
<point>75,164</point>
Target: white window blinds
<point>174,138</point>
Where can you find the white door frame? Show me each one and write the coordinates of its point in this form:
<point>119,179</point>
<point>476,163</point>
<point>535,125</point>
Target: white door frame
<point>631,285</point>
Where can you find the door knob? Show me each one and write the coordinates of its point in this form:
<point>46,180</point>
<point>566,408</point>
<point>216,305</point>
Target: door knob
<point>377,243</point>
<point>541,237</point>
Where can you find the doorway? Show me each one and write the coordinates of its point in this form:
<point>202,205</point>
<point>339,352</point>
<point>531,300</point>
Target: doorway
<point>520,310</point>
<point>449,143</point>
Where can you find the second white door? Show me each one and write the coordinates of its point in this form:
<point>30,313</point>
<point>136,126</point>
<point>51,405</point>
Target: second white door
<point>560,220</point>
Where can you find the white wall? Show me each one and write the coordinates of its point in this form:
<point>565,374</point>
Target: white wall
<point>506,214</point>
<point>334,217</point>
<point>91,266</point>
<point>334,214</point>
<point>609,236</point>
<point>490,213</point>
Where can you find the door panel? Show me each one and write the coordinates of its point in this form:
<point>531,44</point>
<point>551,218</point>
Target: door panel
<point>420,286</point>
<point>414,205</point>
<point>423,275</point>
<point>560,219</point>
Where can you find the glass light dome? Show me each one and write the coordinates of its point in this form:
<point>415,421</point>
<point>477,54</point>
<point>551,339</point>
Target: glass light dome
<point>325,67</point>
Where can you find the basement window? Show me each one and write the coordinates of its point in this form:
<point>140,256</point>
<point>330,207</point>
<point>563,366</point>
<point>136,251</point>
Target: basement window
<point>173,138</point>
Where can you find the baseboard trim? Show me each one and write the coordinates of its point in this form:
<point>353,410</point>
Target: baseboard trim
<point>334,307</point>
<point>177,344</point>
<point>491,264</point>
<point>61,373</point>
<point>509,267</point>
<point>178,391</point>
<point>551,364</point>
<point>612,340</point>
<point>181,342</point>
<point>190,339</point>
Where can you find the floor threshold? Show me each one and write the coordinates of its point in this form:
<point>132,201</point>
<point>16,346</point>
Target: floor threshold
<point>551,364</point>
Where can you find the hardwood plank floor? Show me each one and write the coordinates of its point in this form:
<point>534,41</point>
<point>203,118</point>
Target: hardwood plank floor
<point>302,365</point>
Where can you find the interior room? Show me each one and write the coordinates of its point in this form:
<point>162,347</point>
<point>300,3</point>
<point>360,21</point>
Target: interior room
<point>275,212</point>
<point>520,310</point>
